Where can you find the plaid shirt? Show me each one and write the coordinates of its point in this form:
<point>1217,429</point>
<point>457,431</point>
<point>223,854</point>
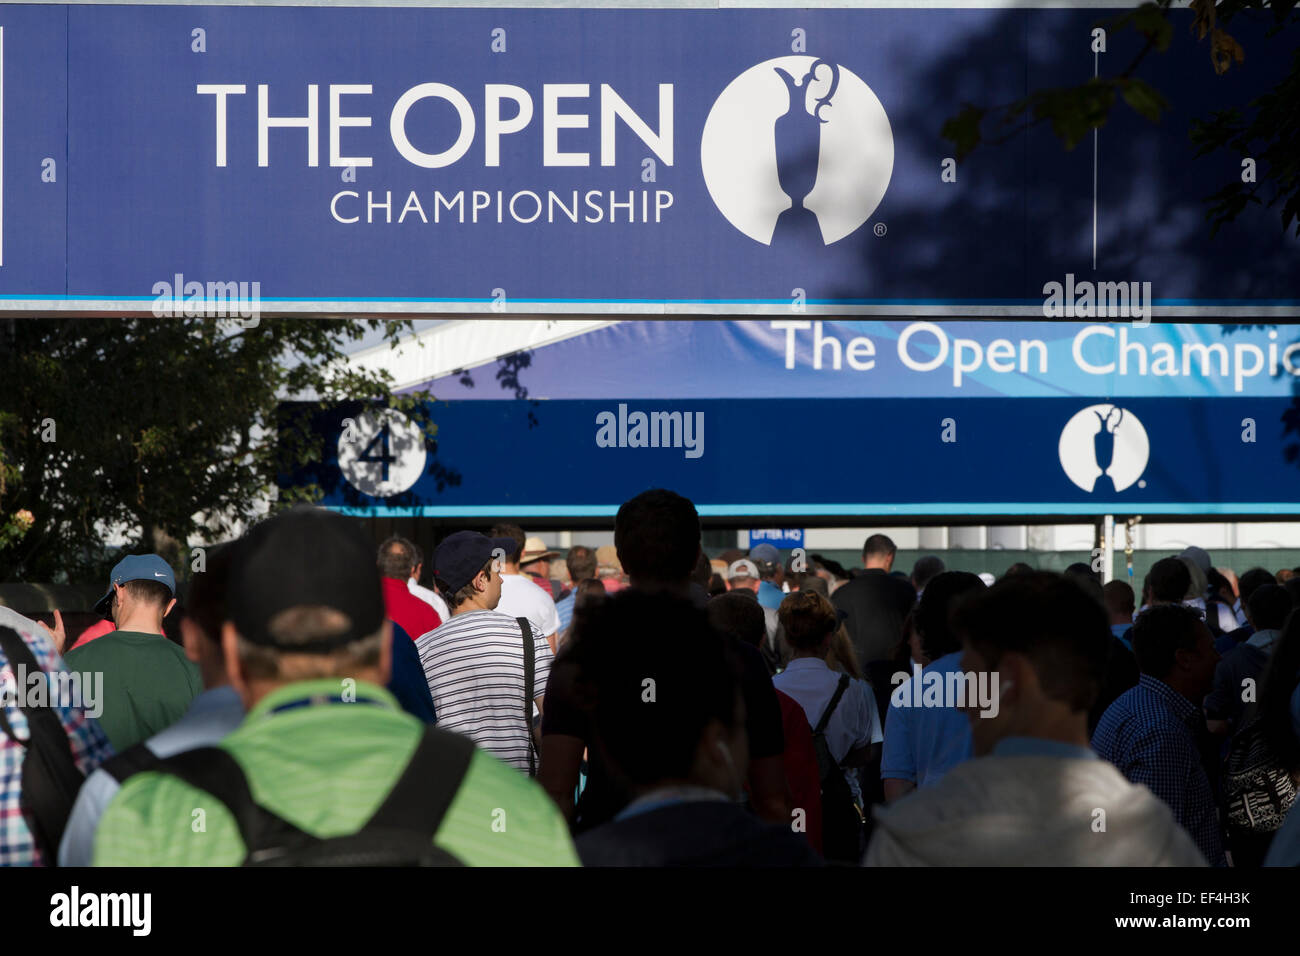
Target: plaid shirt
<point>90,748</point>
<point>1150,734</point>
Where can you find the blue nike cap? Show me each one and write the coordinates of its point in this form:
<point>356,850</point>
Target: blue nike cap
<point>136,567</point>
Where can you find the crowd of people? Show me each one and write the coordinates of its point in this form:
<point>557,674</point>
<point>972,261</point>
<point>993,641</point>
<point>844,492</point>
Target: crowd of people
<point>643,704</point>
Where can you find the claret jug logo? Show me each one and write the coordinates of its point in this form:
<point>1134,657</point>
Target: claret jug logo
<point>1104,440</point>
<point>797,149</point>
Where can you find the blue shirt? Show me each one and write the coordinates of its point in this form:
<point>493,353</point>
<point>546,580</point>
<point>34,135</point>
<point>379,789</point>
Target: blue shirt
<point>1040,747</point>
<point>924,743</point>
<point>407,682</point>
<point>211,716</point>
<point>769,595</point>
<point>564,608</point>
<point>1150,734</point>
<point>1122,632</point>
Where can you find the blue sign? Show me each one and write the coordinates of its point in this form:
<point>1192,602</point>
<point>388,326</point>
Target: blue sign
<point>777,537</point>
<point>326,159</point>
<point>803,457</point>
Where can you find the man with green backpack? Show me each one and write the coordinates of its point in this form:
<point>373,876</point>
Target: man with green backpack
<point>342,775</point>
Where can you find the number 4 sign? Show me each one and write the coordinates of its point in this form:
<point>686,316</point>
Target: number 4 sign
<point>381,452</point>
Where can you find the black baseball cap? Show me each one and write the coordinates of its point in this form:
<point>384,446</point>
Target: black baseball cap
<point>462,555</point>
<point>306,557</point>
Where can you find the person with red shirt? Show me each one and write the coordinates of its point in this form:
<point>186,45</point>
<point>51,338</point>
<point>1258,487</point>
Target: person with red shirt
<point>396,561</point>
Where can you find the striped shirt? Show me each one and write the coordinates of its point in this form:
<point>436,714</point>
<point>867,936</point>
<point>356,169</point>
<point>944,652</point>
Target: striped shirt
<point>475,667</point>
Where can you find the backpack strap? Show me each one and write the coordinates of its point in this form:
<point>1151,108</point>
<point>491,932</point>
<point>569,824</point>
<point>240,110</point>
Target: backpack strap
<point>132,760</point>
<point>424,792</point>
<point>830,708</point>
<point>216,772</point>
<point>529,665</point>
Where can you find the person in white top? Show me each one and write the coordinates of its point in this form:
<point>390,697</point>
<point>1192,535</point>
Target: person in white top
<point>520,597</point>
<point>853,733</point>
<point>431,598</point>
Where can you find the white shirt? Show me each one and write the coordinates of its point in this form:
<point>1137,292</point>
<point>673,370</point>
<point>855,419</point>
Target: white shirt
<point>474,664</point>
<point>431,598</point>
<point>856,721</point>
<point>520,597</point>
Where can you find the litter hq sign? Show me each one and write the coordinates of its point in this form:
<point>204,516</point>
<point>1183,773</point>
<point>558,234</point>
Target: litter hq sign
<point>591,160</point>
<point>741,423</point>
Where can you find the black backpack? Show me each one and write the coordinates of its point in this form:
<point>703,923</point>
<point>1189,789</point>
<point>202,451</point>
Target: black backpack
<point>51,778</point>
<point>400,833</point>
<point>1257,789</point>
<point>841,822</point>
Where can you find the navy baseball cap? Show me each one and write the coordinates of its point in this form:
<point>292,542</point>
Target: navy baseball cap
<point>461,556</point>
<point>136,567</point>
<point>766,553</point>
<point>305,557</point>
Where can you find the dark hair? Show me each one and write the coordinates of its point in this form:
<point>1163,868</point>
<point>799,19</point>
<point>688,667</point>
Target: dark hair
<point>830,564</point>
<point>206,600</point>
<point>807,619</point>
<point>630,640</point>
<point>1169,580</point>
<point>1160,631</point>
<point>880,545</point>
<point>1269,607</point>
<point>396,558</point>
<point>588,591</point>
<point>657,536</point>
<point>1119,597</point>
<point>925,570</point>
<point>1216,581</point>
<point>515,534</point>
<point>1292,587</point>
<point>1276,689</point>
<point>581,562</point>
<point>737,615</point>
<point>1051,621</point>
<point>1081,569</point>
<point>717,584</point>
<point>1252,579</point>
<point>1018,568</point>
<point>814,583</point>
<point>702,571</point>
<point>932,617</point>
<point>150,592</point>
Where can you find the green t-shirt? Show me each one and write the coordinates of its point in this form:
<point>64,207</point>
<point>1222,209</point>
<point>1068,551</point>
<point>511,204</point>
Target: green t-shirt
<point>326,766</point>
<point>148,683</point>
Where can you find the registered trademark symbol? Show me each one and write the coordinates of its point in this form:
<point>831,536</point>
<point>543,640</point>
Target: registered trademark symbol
<point>880,229</point>
<point>1142,483</point>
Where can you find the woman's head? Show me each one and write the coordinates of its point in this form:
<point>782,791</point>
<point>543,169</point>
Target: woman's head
<point>808,620</point>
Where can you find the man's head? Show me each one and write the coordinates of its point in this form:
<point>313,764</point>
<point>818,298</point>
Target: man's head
<point>932,619</point>
<point>924,570</point>
<point>1168,580</point>
<point>1120,602</point>
<point>205,613</point>
<point>304,603</point>
<point>397,559</point>
<point>1252,580</point>
<point>878,552</point>
<point>1268,607</point>
<point>742,575</point>
<point>510,565</point>
<point>1044,638</point>
<point>665,702</point>
<point>768,561</point>
<point>1018,568</point>
<point>808,620</point>
<point>468,570</point>
<point>1172,644</point>
<point>738,615</point>
<point>657,535</point>
<point>535,559</point>
<point>581,562</point>
<point>141,592</point>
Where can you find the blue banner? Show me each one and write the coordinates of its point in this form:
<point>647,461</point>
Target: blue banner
<point>777,537</point>
<point>723,161</point>
<point>806,457</point>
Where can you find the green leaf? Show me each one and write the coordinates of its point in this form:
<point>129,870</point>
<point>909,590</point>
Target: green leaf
<point>963,130</point>
<point>1144,98</point>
